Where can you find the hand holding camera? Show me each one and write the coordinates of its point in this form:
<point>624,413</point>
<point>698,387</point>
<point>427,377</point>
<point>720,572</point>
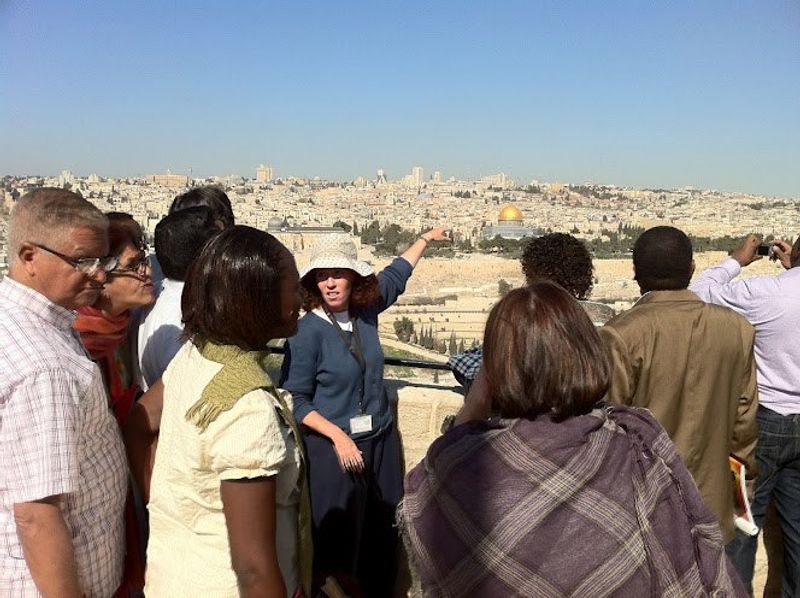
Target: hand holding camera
<point>752,249</point>
<point>747,252</point>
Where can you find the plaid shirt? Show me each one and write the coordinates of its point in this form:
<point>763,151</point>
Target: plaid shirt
<point>57,437</point>
<point>466,365</point>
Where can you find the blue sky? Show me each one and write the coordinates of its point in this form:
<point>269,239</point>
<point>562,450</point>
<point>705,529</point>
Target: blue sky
<point>703,93</point>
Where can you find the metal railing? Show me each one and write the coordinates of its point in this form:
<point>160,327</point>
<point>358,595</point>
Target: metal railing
<point>398,361</point>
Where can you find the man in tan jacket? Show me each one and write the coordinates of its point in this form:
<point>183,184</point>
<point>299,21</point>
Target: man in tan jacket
<point>690,363</point>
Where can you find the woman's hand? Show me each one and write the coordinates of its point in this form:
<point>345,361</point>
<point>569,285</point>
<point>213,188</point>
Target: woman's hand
<point>436,234</point>
<point>413,253</point>
<point>347,452</point>
<point>478,402</point>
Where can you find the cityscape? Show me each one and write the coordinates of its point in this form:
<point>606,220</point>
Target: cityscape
<point>499,121</point>
<point>450,295</point>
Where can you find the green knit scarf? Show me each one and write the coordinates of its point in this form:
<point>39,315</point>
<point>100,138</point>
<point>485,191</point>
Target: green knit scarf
<point>243,372</point>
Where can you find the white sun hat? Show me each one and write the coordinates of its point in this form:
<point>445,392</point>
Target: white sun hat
<point>336,250</point>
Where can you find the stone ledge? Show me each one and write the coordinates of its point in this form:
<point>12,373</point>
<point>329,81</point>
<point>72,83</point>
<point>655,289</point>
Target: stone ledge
<point>420,409</point>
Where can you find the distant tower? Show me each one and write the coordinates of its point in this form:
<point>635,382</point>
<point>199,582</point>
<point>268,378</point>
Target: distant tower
<point>66,177</point>
<point>437,178</point>
<point>381,177</point>
<point>264,174</point>
<point>417,176</point>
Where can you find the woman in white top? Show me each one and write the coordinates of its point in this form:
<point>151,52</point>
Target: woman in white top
<point>224,493</point>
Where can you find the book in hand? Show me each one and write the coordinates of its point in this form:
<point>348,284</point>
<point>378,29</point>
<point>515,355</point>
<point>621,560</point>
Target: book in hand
<point>743,517</point>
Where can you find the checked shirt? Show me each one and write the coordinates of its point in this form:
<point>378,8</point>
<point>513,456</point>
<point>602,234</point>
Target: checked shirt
<point>57,437</point>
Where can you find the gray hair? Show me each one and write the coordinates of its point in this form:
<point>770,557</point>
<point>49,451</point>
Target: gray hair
<point>47,216</point>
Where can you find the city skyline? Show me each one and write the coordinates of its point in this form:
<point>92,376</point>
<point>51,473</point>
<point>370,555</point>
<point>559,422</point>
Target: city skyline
<point>622,93</point>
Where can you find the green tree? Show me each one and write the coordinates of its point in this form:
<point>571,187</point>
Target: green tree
<point>430,342</point>
<point>404,328</point>
<point>503,287</point>
<point>465,245</point>
<point>452,347</point>
<point>343,225</point>
<point>371,234</point>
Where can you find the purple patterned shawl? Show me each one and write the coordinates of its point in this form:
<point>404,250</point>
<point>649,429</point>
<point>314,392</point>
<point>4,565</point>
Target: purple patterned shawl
<point>597,505</point>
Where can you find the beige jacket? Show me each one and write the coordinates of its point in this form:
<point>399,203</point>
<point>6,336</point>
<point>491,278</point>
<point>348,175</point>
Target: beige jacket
<point>691,364</point>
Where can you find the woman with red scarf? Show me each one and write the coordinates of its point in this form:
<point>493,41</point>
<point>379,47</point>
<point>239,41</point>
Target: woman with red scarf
<point>104,331</point>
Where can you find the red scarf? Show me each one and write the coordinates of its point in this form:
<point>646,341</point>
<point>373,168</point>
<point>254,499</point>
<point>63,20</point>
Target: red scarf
<point>102,335</point>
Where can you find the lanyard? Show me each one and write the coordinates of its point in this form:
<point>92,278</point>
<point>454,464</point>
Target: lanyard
<point>354,347</point>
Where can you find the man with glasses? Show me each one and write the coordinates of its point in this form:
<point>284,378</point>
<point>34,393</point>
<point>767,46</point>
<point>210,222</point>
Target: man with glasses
<point>62,466</point>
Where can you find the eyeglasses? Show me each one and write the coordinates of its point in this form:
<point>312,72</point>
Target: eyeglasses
<point>138,266</point>
<point>85,265</point>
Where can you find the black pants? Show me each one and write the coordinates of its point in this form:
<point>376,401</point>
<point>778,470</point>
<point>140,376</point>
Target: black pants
<point>353,513</point>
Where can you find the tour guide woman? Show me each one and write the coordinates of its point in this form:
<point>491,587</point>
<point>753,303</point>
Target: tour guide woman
<point>334,370</point>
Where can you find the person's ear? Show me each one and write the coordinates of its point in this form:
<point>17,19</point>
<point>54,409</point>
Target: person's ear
<point>26,256</point>
<point>691,269</point>
<point>634,271</point>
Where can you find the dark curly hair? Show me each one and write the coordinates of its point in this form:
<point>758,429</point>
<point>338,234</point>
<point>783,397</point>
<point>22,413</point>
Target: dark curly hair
<point>365,292</point>
<point>561,258</point>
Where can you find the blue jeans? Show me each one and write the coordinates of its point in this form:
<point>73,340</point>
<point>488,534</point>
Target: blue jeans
<point>778,461</point>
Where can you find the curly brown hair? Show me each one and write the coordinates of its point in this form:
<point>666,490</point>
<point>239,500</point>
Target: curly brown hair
<point>365,292</point>
<point>561,258</point>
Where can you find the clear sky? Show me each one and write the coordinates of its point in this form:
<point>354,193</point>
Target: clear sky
<point>703,93</point>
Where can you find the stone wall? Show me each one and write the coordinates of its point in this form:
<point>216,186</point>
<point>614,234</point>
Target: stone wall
<point>421,408</point>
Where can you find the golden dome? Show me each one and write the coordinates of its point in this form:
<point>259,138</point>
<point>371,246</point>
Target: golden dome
<point>510,213</point>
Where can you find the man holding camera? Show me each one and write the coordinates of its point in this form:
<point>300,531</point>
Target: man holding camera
<point>772,305</point>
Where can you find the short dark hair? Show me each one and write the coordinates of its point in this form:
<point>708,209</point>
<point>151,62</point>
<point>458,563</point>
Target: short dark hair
<point>561,258</point>
<point>662,258</point>
<point>542,354</point>
<point>123,229</point>
<point>180,237</point>
<point>210,196</point>
<point>366,291</point>
<point>232,293</point>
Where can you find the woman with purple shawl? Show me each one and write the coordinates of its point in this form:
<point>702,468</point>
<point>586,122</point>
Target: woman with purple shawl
<point>561,495</point>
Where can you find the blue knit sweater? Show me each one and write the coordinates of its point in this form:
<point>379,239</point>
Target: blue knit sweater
<point>323,376</point>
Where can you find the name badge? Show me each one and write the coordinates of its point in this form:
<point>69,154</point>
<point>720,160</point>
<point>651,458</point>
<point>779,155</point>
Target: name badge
<point>361,423</point>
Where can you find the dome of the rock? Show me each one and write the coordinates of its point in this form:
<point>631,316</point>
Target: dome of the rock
<point>510,213</point>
